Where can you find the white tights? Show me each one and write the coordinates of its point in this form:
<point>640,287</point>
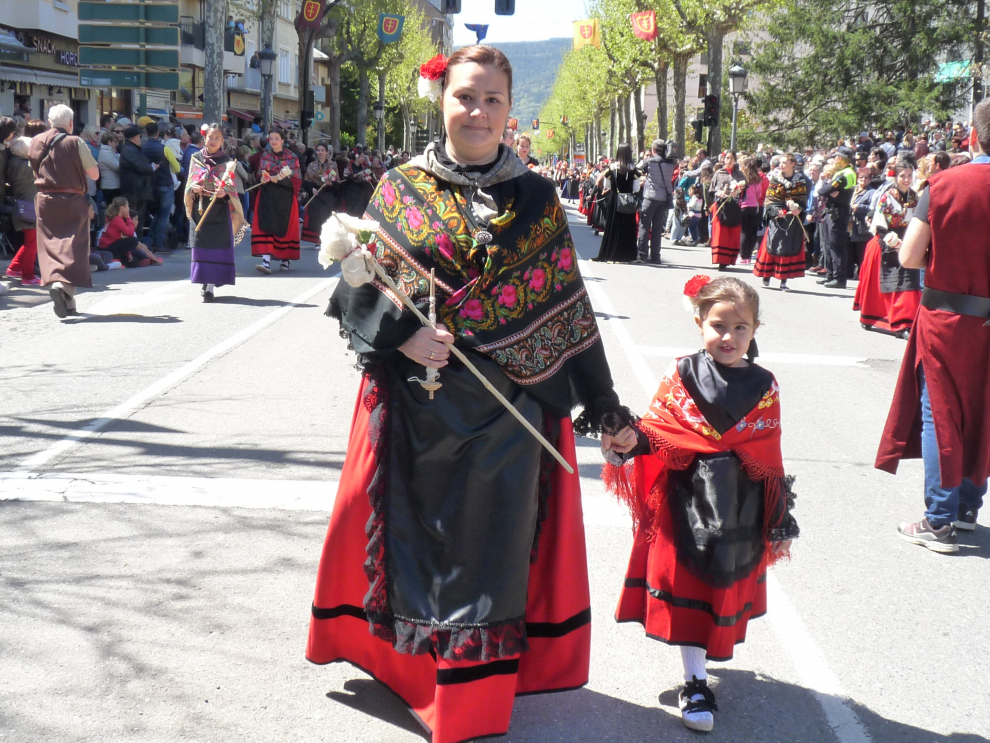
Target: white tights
<point>694,663</point>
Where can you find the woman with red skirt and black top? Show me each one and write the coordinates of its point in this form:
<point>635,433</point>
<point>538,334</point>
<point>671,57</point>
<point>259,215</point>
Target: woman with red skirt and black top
<point>888,295</point>
<point>727,186</point>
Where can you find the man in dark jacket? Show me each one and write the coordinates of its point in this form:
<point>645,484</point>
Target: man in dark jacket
<point>164,190</point>
<point>137,175</point>
<point>837,190</point>
<point>657,191</point>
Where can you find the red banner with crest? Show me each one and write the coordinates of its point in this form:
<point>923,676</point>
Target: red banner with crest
<point>645,24</point>
<point>311,13</point>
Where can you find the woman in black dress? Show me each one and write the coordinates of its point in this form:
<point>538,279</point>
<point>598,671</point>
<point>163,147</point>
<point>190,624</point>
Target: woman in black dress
<point>619,241</point>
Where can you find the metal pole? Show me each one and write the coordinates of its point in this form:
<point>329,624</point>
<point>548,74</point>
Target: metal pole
<point>735,110</point>
<point>266,103</point>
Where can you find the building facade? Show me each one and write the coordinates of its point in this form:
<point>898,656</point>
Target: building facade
<point>46,72</point>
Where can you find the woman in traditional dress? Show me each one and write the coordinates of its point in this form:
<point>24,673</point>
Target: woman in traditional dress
<point>781,253</point>
<point>322,174</point>
<point>619,242</point>
<point>275,229</point>
<point>750,202</point>
<point>727,187</point>
<point>213,243</point>
<point>455,538</point>
<point>888,296</point>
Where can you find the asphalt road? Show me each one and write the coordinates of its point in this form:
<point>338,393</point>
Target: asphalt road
<point>167,468</point>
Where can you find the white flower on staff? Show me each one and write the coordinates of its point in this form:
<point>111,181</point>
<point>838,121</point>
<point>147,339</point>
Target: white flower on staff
<point>429,89</point>
<point>285,172</point>
<point>341,240</point>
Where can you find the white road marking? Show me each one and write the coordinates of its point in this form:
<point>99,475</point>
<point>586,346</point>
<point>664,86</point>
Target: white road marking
<point>811,359</point>
<point>225,492</point>
<point>808,660</point>
<point>212,492</point>
<point>135,403</point>
<point>117,304</point>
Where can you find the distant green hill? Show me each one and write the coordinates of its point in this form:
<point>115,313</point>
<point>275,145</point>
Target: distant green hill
<point>534,69</point>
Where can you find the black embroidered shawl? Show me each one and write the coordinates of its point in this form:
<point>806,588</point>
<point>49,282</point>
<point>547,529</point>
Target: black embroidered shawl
<point>519,299</point>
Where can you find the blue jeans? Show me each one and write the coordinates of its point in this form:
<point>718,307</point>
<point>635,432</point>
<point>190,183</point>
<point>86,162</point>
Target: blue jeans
<point>693,228</point>
<point>161,209</point>
<point>943,505</point>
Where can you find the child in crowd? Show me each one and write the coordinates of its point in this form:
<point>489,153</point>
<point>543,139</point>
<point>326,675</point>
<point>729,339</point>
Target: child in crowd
<point>695,208</point>
<point>710,502</point>
<point>120,240</point>
<point>678,218</point>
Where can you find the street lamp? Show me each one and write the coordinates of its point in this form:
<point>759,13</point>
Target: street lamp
<point>413,128</point>
<point>379,112</point>
<point>266,64</point>
<point>737,84</point>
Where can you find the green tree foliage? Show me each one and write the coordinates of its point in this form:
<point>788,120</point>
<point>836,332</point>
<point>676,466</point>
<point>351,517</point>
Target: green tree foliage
<point>833,67</point>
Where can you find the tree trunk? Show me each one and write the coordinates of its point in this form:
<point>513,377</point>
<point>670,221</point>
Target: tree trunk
<point>596,139</point>
<point>381,121</point>
<point>680,83</point>
<point>406,114</point>
<point>627,119</point>
<point>334,102</point>
<point>216,23</point>
<point>640,121</point>
<point>715,40</point>
<point>660,80</point>
<point>612,120</point>
<point>307,38</point>
<point>267,17</point>
<point>364,85</point>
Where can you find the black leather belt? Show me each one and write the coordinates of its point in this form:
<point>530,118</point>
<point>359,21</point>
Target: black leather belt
<point>961,304</point>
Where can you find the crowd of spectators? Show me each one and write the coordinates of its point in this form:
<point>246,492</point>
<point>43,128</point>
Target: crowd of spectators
<point>143,166</point>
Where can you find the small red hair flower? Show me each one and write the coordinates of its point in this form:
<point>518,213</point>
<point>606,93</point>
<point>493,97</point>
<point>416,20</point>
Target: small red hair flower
<point>695,284</point>
<point>434,69</point>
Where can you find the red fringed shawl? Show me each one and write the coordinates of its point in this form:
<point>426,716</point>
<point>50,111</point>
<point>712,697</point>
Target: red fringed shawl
<point>677,432</point>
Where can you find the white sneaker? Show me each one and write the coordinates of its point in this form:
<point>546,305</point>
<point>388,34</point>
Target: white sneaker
<point>697,703</point>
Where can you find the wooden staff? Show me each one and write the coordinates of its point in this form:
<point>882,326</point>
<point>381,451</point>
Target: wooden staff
<point>284,172</point>
<point>315,195</point>
<point>230,169</point>
<point>474,370</point>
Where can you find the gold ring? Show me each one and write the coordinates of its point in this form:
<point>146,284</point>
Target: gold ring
<point>431,355</point>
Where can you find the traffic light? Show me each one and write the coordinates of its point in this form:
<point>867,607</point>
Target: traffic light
<point>698,126</point>
<point>451,6</point>
<point>505,7</point>
<point>305,119</point>
<point>710,117</point>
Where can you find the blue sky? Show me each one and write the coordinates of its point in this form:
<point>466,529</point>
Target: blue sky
<point>534,20</point>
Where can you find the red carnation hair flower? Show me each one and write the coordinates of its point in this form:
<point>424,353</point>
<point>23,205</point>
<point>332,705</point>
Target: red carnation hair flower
<point>695,284</point>
<point>434,69</point>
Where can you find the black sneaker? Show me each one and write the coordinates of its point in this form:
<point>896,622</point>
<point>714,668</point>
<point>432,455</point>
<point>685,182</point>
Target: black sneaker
<point>943,539</point>
<point>697,703</point>
<point>61,304</point>
<point>766,281</point>
<point>966,519</point>
<point>207,295</point>
<point>834,284</point>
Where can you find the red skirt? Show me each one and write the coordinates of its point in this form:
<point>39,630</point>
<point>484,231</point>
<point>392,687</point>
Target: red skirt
<point>724,241</point>
<point>893,312</point>
<point>280,247</point>
<point>456,700</point>
<point>677,608</point>
<point>778,266</point>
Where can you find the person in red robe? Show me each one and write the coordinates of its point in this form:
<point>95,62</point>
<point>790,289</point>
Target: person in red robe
<point>275,224</point>
<point>941,407</point>
<point>710,503</point>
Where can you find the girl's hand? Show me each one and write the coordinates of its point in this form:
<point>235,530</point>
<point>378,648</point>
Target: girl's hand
<point>622,442</point>
<point>781,547</point>
<point>197,188</point>
<point>427,347</point>
<point>265,176</point>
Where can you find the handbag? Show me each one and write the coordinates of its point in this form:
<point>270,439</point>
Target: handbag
<point>25,210</point>
<point>627,203</point>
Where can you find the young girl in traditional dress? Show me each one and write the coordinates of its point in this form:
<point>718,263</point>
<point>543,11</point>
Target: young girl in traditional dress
<point>710,503</point>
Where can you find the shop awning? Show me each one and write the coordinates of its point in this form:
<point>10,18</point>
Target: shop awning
<point>161,113</point>
<point>246,115</point>
<point>38,77</point>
